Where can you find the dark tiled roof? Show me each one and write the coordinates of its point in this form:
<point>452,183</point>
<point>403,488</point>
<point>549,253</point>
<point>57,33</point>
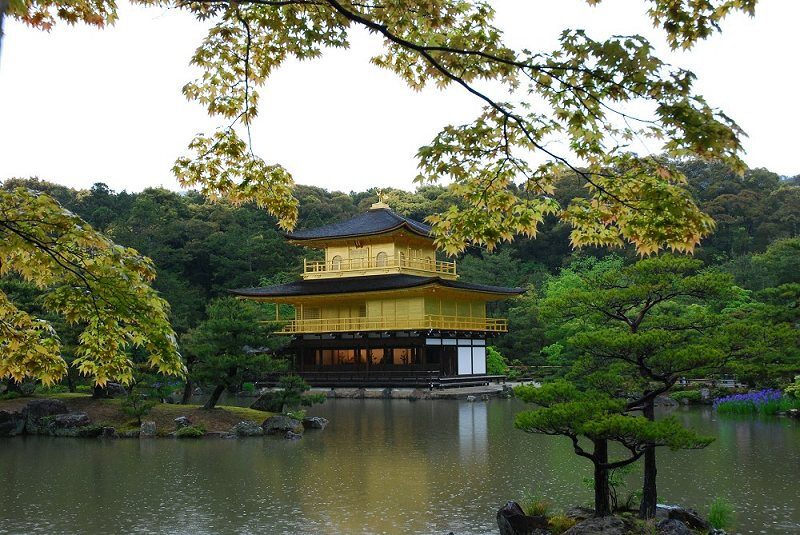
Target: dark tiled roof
<point>376,221</point>
<point>371,283</point>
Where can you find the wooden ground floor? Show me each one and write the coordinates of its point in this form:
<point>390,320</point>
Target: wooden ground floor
<point>390,358</point>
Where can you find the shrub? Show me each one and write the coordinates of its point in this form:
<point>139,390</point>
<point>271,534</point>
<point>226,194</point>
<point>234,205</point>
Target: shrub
<point>793,389</point>
<point>297,415</point>
<point>11,394</point>
<point>191,431</point>
<point>136,405</point>
<point>534,506</point>
<point>84,389</point>
<point>496,363</point>
<point>560,523</point>
<point>720,514</point>
<point>248,387</point>
<point>55,389</point>
<point>689,395</point>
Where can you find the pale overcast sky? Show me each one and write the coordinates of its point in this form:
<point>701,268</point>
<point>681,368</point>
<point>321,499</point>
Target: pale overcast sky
<point>82,105</point>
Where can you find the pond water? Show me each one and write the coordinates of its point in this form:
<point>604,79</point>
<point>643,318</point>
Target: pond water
<point>392,466</point>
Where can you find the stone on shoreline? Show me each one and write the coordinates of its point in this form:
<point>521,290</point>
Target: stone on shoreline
<point>690,517</point>
<point>280,424</point>
<point>182,421</point>
<point>512,520</point>
<point>147,429</point>
<point>292,436</point>
<point>11,423</point>
<point>670,526</point>
<point>247,428</point>
<point>315,422</point>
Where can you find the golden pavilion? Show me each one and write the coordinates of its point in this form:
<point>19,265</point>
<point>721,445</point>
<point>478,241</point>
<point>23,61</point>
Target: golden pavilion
<point>381,310</point>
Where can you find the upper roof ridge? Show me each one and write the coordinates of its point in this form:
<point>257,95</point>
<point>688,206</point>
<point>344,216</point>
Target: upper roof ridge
<point>377,220</point>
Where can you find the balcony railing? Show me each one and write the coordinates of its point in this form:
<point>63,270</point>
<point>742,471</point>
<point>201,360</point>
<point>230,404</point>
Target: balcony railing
<point>386,264</point>
<point>427,322</point>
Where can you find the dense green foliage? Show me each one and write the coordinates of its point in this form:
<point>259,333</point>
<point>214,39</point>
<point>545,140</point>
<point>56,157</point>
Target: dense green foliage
<point>201,249</point>
<point>99,288</point>
<point>625,334</point>
<point>584,107</point>
<point>233,344</point>
<point>496,364</point>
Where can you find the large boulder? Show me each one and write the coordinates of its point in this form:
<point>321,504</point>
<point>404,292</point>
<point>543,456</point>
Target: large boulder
<point>11,423</point>
<point>607,525</point>
<point>280,424</point>
<point>39,411</point>
<point>75,424</point>
<point>670,526</point>
<point>315,422</point>
<point>690,517</point>
<point>39,408</point>
<point>512,520</point>
<point>70,420</point>
<point>247,428</point>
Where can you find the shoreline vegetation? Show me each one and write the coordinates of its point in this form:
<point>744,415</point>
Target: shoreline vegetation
<point>81,415</point>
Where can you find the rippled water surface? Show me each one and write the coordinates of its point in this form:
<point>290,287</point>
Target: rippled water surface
<point>422,467</point>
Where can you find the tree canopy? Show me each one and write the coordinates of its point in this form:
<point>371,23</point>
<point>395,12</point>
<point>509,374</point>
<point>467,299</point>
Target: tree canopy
<point>91,281</point>
<point>503,164</point>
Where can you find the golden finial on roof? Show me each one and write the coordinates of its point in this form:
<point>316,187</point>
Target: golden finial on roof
<point>382,198</point>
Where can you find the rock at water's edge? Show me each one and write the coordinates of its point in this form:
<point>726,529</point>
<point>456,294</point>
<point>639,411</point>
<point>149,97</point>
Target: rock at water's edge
<point>281,424</point>
<point>71,420</point>
<point>247,428</point>
<point>11,423</point>
<point>38,409</point>
<point>512,520</point>
<point>292,436</point>
<point>315,422</point>
<point>147,429</point>
<point>670,526</point>
<point>690,517</point>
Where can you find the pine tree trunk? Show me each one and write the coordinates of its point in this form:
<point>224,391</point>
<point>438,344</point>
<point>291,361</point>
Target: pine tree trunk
<point>602,505</point>
<point>647,509</point>
<point>215,395</point>
<point>187,393</point>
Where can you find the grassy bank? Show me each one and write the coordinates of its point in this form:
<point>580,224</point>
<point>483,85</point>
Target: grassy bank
<point>109,412</point>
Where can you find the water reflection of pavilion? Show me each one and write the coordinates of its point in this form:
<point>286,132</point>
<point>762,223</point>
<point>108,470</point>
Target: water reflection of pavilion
<point>473,437</point>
